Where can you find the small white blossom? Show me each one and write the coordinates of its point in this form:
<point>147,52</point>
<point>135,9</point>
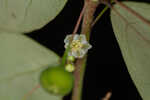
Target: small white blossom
<point>78,45</point>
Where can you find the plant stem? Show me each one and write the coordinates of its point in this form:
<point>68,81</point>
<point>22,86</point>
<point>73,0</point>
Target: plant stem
<point>81,63</point>
<point>64,58</point>
<point>79,73</point>
<point>100,15</point>
<point>79,21</point>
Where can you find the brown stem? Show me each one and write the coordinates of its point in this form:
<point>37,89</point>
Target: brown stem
<point>90,8</point>
<point>78,22</point>
<point>88,17</point>
<point>79,73</point>
<point>107,96</point>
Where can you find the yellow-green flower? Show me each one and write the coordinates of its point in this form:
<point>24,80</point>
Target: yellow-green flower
<point>78,45</point>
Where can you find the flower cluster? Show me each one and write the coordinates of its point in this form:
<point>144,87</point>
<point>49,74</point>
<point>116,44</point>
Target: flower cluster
<point>78,45</point>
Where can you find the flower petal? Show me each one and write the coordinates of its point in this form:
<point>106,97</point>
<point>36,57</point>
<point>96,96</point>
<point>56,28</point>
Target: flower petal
<point>83,39</point>
<point>66,45</point>
<point>86,47</point>
<point>68,39</point>
<point>78,54</point>
<point>76,37</point>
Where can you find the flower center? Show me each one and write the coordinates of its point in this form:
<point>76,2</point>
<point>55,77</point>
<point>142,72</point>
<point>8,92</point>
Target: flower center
<point>76,45</point>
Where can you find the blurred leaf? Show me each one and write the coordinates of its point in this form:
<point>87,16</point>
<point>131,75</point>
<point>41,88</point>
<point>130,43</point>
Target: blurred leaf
<point>20,16</point>
<point>133,36</point>
<point>21,61</point>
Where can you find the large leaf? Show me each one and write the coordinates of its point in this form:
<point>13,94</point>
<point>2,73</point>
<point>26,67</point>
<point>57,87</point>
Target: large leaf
<point>21,61</point>
<point>133,36</point>
<point>27,15</point>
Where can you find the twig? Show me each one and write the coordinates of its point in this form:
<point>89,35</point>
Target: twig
<point>102,12</point>
<point>107,96</point>
<point>79,21</point>
<point>81,63</point>
<point>100,15</point>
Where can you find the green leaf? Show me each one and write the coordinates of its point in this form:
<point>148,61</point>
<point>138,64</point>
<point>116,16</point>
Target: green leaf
<point>21,62</point>
<point>20,16</point>
<point>133,35</point>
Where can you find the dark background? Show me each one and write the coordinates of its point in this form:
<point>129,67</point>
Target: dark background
<point>106,69</point>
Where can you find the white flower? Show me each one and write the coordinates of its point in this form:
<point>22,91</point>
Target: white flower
<point>78,45</point>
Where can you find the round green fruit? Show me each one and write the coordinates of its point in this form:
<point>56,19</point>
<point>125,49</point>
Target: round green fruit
<point>57,80</point>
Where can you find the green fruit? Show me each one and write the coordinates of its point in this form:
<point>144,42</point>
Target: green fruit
<point>57,80</point>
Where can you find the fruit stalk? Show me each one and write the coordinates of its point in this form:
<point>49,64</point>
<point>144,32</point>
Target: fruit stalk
<point>81,63</point>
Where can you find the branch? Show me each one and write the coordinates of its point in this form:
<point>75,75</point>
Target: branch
<point>81,63</point>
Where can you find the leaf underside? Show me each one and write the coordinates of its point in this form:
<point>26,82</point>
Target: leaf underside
<point>21,61</point>
<point>21,58</point>
<point>133,36</point>
<point>22,16</point>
